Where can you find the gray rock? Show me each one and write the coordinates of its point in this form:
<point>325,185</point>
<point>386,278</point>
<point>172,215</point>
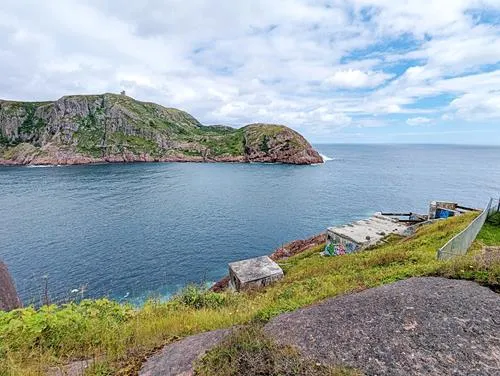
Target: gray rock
<point>76,368</point>
<point>420,326</point>
<point>177,359</point>
<point>8,296</point>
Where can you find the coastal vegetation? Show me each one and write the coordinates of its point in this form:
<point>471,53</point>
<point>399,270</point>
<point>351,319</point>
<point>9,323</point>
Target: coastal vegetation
<point>118,337</point>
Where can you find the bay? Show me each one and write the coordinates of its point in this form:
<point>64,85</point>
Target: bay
<point>128,231</point>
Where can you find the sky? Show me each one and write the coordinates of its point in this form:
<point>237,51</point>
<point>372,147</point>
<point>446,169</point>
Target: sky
<point>353,71</point>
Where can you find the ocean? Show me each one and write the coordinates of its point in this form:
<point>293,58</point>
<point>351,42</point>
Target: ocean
<point>129,231</point>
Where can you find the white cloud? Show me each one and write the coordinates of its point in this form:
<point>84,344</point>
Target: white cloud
<point>326,115</point>
<point>418,121</point>
<point>255,60</point>
<point>355,78</point>
<point>478,105</point>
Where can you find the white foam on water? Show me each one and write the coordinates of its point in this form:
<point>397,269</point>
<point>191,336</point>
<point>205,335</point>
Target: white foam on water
<point>39,166</point>
<point>325,158</point>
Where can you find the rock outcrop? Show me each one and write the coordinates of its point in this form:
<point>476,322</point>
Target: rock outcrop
<point>419,326</point>
<point>298,246</point>
<point>9,299</point>
<point>116,128</point>
<point>178,358</point>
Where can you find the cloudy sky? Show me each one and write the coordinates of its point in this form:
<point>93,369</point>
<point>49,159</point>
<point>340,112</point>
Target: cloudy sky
<point>337,71</point>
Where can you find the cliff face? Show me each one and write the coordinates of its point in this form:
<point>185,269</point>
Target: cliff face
<point>8,295</point>
<point>117,128</point>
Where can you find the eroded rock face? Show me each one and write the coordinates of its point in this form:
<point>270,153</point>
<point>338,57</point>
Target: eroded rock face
<point>298,246</point>
<point>115,128</point>
<point>275,143</point>
<point>9,299</point>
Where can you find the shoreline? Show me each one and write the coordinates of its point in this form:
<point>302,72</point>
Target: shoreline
<point>110,161</point>
<point>105,163</point>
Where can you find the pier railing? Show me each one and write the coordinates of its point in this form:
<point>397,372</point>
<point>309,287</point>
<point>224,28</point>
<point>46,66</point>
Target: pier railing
<point>460,243</point>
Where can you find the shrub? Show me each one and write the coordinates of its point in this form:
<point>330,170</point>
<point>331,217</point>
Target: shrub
<point>196,296</point>
<point>494,219</point>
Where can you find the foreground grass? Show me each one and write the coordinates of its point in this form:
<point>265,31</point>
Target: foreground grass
<point>248,352</point>
<point>119,336</point>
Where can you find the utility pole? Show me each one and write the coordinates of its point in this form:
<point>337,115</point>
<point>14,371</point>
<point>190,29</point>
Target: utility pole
<point>83,288</point>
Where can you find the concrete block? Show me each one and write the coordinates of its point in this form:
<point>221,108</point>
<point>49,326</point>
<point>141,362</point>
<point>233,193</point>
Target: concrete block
<point>254,273</point>
<point>435,207</point>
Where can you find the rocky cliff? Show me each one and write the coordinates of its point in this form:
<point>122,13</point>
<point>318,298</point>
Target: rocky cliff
<point>116,128</point>
<point>8,295</point>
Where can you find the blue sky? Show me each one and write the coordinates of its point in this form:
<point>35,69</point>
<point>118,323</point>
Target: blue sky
<point>367,71</point>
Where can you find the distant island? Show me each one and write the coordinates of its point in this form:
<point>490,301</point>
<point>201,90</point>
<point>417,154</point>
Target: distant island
<point>84,129</point>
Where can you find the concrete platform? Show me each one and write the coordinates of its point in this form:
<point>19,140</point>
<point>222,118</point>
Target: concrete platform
<point>369,231</point>
<point>361,234</point>
<point>254,273</point>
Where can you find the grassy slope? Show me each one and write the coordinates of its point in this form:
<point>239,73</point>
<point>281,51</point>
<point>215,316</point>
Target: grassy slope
<point>490,235</point>
<point>30,340</point>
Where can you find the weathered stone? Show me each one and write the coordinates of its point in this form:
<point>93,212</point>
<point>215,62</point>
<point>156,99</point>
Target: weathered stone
<point>420,326</point>
<point>254,273</point>
<point>178,358</point>
<point>8,296</point>
<point>76,368</point>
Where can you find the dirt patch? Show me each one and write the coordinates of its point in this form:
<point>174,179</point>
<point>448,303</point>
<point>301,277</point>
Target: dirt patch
<point>488,256</point>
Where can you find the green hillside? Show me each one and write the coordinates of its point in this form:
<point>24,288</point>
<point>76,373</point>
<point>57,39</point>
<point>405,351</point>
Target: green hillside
<point>116,128</point>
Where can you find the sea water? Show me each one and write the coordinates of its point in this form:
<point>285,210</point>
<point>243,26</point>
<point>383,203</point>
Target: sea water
<point>128,231</point>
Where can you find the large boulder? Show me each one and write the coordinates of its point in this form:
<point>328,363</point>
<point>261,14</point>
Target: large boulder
<point>419,326</point>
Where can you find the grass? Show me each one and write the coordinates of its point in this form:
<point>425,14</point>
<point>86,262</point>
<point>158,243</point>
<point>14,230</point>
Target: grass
<point>248,352</point>
<point>227,143</point>
<point>489,234</point>
<point>120,336</point>
<point>482,263</point>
